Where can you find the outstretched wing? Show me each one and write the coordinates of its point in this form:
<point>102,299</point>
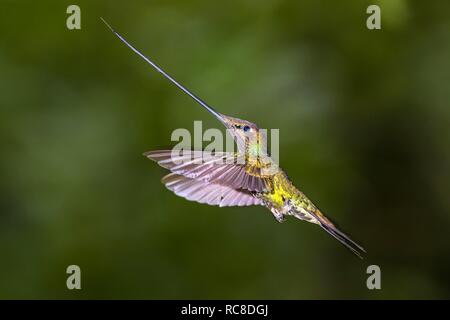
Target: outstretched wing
<point>222,168</point>
<point>209,193</point>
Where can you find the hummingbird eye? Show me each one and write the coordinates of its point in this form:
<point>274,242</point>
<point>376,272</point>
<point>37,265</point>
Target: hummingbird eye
<point>246,128</point>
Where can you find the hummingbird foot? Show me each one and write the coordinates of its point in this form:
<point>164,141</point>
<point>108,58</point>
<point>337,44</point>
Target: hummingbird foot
<point>279,216</point>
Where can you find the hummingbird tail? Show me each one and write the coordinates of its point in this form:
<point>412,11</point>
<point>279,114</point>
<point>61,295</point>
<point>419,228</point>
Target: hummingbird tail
<point>330,228</point>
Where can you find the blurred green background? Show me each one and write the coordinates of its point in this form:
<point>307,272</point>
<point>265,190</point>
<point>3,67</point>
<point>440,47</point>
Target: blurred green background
<point>364,127</point>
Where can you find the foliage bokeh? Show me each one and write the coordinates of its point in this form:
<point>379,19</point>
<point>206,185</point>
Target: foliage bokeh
<point>364,130</point>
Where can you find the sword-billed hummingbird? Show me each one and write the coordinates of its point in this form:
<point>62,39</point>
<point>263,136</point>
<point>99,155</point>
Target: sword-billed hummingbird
<point>243,178</point>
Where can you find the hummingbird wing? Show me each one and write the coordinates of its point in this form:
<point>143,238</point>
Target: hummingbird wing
<point>209,193</point>
<point>222,168</point>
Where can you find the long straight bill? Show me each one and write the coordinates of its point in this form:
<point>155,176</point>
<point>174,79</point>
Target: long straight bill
<point>155,66</point>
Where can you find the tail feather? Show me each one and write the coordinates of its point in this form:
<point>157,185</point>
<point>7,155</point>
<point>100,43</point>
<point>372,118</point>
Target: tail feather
<point>330,228</point>
<point>344,239</point>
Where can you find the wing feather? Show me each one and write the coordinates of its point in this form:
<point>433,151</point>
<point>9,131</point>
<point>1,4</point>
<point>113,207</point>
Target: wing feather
<point>216,168</point>
<point>205,192</point>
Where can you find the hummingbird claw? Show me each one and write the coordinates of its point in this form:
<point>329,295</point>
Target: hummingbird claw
<point>279,216</point>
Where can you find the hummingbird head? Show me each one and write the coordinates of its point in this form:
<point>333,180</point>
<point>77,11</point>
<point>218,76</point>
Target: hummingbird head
<point>240,129</point>
<point>248,137</point>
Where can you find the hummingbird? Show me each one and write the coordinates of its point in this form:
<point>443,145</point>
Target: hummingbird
<point>246,177</point>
